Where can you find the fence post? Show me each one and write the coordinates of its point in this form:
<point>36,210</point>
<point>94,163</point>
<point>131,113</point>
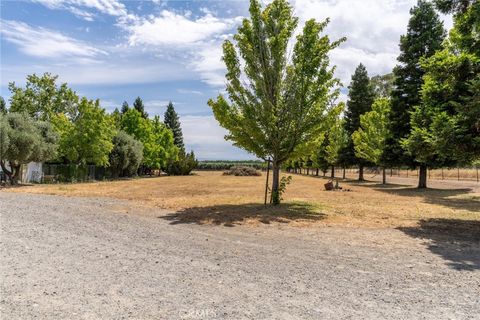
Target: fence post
<point>477,174</point>
<point>458,173</point>
<point>442,173</point>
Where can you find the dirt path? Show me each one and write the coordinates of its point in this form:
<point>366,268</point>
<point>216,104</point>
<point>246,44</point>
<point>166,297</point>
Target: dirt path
<point>80,258</point>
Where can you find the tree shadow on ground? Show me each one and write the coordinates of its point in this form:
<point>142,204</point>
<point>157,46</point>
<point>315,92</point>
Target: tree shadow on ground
<point>461,199</point>
<point>456,241</point>
<point>231,215</point>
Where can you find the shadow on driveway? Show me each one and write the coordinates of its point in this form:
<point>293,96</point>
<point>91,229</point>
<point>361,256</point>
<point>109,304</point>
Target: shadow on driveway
<point>456,241</point>
<point>231,215</point>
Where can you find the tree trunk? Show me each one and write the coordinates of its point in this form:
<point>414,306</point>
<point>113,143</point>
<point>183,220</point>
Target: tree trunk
<point>384,176</point>
<point>333,172</point>
<point>343,173</point>
<point>308,171</point>
<point>316,173</point>
<point>422,177</point>
<point>360,173</point>
<point>275,198</point>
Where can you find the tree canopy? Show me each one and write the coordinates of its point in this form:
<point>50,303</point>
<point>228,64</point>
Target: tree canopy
<point>425,34</point>
<point>282,104</point>
<point>23,140</point>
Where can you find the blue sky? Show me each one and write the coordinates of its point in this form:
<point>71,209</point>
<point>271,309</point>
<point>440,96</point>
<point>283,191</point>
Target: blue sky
<point>170,50</point>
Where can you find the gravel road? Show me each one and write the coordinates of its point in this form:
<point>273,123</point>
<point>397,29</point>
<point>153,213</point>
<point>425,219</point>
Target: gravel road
<point>78,258</point>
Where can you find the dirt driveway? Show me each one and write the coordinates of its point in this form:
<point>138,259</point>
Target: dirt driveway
<point>83,258</point>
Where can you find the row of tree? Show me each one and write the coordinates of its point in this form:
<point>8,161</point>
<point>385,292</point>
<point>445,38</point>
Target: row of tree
<point>50,122</point>
<point>283,109</point>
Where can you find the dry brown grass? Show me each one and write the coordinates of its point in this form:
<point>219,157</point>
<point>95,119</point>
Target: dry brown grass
<point>211,197</point>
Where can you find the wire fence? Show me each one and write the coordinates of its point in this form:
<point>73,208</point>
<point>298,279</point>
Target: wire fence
<point>459,174</point>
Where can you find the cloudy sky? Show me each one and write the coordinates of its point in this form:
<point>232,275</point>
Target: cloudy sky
<point>170,50</point>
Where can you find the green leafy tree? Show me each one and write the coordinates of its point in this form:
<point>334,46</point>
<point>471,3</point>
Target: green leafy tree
<point>3,106</point>
<point>370,138</point>
<point>138,105</point>
<point>282,104</point>
<point>425,34</point>
<point>446,126</point>
<point>157,139</point>
<point>172,122</point>
<point>126,155</point>
<point>23,140</point>
<point>117,118</point>
<point>42,98</point>
<point>360,99</point>
<point>182,166</point>
<point>87,139</point>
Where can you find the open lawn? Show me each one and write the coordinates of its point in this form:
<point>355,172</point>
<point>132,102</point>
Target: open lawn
<point>209,197</point>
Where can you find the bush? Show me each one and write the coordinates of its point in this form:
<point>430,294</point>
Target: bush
<point>241,171</point>
<point>183,166</point>
<point>126,155</point>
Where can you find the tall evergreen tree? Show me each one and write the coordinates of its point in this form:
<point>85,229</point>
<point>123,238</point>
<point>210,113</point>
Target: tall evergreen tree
<point>424,37</point>
<point>138,105</point>
<point>446,125</point>
<point>360,100</point>
<point>125,107</point>
<point>172,122</point>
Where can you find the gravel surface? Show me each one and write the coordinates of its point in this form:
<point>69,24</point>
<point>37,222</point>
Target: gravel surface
<point>78,258</point>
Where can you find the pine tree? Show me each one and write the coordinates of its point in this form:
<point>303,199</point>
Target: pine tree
<point>446,126</point>
<point>172,122</point>
<point>424,37</point>
<point>138,105</point>
<point>360,99</point>
<point>125,107</point>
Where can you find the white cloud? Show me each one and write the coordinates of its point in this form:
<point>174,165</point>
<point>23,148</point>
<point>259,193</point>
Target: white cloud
<point>80,7</point>
<point>372,27</point>
<point>41,42</point>
<point>208,63</point>
<point>188,91</point>
<point>170,28</point>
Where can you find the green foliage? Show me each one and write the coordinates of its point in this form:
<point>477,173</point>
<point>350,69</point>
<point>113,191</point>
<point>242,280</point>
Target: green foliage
<point>284,103</point>
<point>22,140</point>
<point>424,37</point>
<point>446,125</point>
<point>369,139</point>
<point>157,140</point>
<point>125,107</point>
<point>227,164</point>
<point>382,85</point>
<point>3,106</point>
<point>42,98</point>
<point>87,139</point>
<point>172,122</point>
<point>182,166</point>
<point>117,118</point>
<point>138,105</point>
<point>360,99</point>
<point>277,196</point>
<point>126,155</point>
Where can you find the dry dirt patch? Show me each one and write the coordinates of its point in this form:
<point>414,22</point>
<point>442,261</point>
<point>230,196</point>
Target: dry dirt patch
<point>210,197</point>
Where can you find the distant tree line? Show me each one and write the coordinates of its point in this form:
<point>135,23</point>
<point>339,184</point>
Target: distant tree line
<point>50,122</point>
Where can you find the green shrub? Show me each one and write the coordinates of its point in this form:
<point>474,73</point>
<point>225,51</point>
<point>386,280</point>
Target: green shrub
<point>183,166</point>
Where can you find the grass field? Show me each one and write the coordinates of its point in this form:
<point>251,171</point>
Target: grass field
<point>209,197</point>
